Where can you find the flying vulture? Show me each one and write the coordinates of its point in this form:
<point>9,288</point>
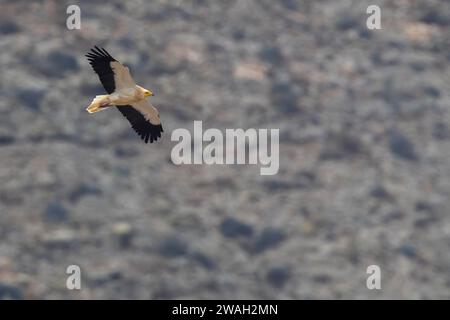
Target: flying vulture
<point>125,94</point>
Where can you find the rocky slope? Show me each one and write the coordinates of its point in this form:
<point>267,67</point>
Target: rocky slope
<point>364,151</point>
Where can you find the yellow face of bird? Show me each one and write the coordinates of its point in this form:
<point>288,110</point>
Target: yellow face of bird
<point>148,93</point>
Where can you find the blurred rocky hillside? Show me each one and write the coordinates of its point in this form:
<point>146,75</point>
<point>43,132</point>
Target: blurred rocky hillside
<point>364,151</point>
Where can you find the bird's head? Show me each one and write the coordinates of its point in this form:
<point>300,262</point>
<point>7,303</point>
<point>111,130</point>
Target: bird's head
<point>148,93</point>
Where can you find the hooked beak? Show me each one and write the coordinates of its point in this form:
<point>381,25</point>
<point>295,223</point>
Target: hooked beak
<point>149,94</point>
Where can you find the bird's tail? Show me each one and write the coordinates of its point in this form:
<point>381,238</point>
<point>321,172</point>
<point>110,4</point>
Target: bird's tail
<point>99,103</point>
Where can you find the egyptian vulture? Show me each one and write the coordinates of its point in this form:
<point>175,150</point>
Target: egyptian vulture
<point>125,94</point>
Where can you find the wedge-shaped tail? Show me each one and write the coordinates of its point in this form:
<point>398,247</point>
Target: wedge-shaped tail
<point>98,104</point>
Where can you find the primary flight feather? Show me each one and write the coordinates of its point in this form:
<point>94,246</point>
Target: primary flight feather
<point>125,94</point>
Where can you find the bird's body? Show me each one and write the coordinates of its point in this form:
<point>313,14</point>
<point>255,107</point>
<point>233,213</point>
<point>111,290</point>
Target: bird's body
<point>121,97</point>
<point>125,94</point>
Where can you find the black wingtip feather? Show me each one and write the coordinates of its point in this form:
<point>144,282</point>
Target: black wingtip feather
<point>100,61</point>
<point>147,132</point>
<point>98,51</point>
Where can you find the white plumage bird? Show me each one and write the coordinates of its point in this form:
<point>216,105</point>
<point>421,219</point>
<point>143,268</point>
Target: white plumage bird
<point>125,94</point>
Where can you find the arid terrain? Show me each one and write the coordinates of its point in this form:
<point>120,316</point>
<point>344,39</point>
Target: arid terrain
<point>364,173</point>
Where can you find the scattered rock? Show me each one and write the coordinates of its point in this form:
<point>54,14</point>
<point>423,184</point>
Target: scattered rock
<point>278,186</point>
<point>278,277</point>
<point>31,98</point>
<point>395,215</point>
<point>268,239</point>
<point>305,178</point>
<point>123,232</point>
<point>365,33</point>
<point>238,34</point>
<point>347,21</point>
<point>284,98</point>
<point>58,63</point>
<point>104,275</point>
<point>302,180</point>
<point>436,16</point>
<point>340,145</point>
<point>173,247</point>
<point>6,140</point>
<point>233,228</point>
<point>408,251</point>
<point>379,192</point>
<point>8,27</point>
<point>127,43</point>
<point>428,215</point>
<point>55,212</point>
<point>203,260</point>
<point>401,147</point>
<point>10,292</point>
<point>83,190</point>
<point>250,70</point>
<point>126,152</point>
<point>290,4</point>
<point>441,131</point>
<point>61,238</point>
<point>271,55</point>
<point>424,206</point>
<point>432,91</point>
<point>322,278</point>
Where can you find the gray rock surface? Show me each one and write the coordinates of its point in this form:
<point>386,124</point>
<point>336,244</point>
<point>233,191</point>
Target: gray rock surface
<point>364,151</point>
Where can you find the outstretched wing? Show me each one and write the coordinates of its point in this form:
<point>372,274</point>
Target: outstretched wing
<point>142,116</point>
<point>144,119</point>
<point>113,75</point>
<point>100,60</point>
<point>122,76</point>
